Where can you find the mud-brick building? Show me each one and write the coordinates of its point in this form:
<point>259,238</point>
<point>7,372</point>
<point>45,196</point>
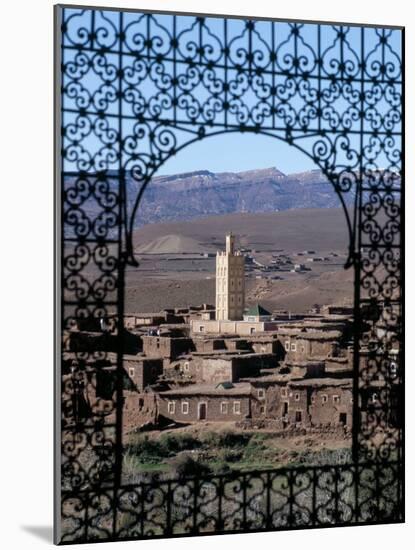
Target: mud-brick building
<point>142,371</point>
<point>206,402</point>
<point>167,316</point>
<point>181,368</point>
<point>206,312</point>
<point>242,328</point>
<point>268,344</point>
<point>313,344</point>
<point>267,401</point>
<point>329,402</point>
<point>267,396</point>
<point>206,345</point>
<point>135,320</point>
<point>230,368</point>
<point>237,344</point>
<point>302,404</point>
<point>139,409</point>
<point>276,400</point>
<point>307,368</point>
<point>139,406</point>
<point>166,347</point>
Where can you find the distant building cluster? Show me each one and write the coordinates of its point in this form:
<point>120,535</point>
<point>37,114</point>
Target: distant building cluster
<point>224,363</point>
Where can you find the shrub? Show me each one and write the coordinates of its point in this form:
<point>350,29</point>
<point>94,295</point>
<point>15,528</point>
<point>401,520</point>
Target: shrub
<point>232,456</point>
<point>173,443</point>
<point>186,466</point>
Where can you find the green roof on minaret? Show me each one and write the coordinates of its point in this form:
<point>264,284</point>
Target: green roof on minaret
<point>257,311</point>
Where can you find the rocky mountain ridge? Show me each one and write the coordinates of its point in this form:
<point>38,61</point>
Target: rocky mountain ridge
<point>202,193</point>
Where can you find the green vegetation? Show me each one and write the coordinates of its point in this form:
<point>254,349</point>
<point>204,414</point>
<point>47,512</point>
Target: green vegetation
<point>183,454</point>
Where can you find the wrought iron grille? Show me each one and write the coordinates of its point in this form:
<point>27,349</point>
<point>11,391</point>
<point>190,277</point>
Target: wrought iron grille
<point>136,88</point>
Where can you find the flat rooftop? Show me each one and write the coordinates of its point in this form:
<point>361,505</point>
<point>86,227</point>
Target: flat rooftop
<point>239,388</point>
<point>323,382</point>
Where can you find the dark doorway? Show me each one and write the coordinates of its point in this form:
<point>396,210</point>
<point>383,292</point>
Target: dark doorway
<point>343,419</point>
<point>202,411</point>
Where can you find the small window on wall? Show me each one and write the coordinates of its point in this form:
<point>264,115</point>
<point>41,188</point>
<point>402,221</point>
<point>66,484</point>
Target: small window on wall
<point>287,345</point>
<point>131,371</point>
<point>284,392</point>
<point>201,328</point>
<point>186,366</point>
<point>224,407</point>
<point>261,394</point>
<point>324,398</point>
<point>171,407</point>
<point>185,407</point>
<point>293,346</point>
<point>336,399</point>
<point>252,330</point>
<point>297,397</point>
<point>237,407</point>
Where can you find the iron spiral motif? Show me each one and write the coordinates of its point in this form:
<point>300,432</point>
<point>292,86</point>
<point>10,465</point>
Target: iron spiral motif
<point>136,88</point>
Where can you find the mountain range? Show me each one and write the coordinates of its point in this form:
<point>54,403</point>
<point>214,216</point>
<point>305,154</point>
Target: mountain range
<point>198,194</point>
<point>201,193</point>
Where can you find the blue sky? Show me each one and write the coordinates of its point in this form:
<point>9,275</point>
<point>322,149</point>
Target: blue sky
<point>231,152</point>
<point>237,152</point>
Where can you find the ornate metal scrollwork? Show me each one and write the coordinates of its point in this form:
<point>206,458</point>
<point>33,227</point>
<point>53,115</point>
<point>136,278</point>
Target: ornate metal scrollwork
<point>136,88</point>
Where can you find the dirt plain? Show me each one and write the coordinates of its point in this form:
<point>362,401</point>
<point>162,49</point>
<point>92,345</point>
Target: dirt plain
<point>177,260</point>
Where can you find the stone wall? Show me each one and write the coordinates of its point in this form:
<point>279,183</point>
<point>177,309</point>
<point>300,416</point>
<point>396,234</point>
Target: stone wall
<point>139,409</point>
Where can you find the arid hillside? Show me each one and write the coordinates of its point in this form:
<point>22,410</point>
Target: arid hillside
<point>291,230</point>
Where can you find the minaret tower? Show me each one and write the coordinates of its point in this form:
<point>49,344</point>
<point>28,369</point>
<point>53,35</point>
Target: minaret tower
<point>230,282</point>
